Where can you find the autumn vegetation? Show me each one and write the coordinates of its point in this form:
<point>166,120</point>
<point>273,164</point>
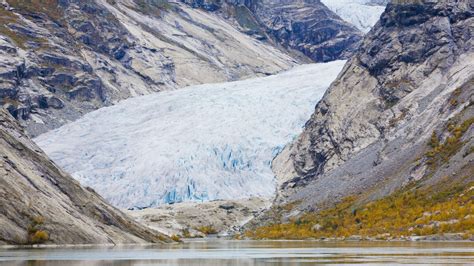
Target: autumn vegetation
<point>207,230</point>
<point>36,235</point>
<point>418,209</point>
<point>440,153</point>
<point>405,213</point>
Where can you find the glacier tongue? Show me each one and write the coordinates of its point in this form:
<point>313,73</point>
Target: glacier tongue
<point>199,143</point>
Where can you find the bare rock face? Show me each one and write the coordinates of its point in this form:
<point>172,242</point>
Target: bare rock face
<point>65,58</point>
<point>36,196</point>
<point>308,27</point>
<point>412,76</point>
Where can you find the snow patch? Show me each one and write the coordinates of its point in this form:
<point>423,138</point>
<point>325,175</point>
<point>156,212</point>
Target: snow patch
<point>361,13</point>
<point>200,143</point>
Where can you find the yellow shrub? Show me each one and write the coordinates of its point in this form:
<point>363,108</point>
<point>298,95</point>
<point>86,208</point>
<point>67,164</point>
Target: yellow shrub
<point>175,238</point>
<point>39,237</point>
<point>207,230</point>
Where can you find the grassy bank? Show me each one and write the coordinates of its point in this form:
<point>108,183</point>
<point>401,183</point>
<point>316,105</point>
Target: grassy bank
<point>440,209</point>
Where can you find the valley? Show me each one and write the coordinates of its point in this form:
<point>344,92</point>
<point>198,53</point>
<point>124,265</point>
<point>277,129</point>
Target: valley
<point>176,122</point>
<point>209,142</point>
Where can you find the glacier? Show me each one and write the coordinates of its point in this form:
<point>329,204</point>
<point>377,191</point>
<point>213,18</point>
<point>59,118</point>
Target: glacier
<point>363,14</point>
<point>200,143</point>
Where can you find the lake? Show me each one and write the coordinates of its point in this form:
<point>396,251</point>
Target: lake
<point>224,252</point>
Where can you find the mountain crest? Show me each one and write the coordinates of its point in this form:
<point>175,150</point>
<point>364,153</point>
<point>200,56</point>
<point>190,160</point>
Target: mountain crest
<point>380,112</point>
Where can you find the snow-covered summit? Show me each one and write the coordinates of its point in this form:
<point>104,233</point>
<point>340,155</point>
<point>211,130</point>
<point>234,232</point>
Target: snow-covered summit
<point>361,13</point>
<point>195,144</point>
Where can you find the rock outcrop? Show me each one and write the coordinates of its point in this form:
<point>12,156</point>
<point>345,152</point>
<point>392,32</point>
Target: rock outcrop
<point>190,219</point>
<point>410,84</point>
<point>307,27</point>
<point>39,203</point>
<point>61,59</point>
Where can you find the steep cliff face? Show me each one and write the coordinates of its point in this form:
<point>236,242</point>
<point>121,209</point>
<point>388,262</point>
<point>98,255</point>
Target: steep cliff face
<point>39,203</point>
<point>411,81</point>
<point>61,59</point>
<point>308,27</point>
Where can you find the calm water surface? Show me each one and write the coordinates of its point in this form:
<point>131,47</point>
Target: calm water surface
<point>215,252</point>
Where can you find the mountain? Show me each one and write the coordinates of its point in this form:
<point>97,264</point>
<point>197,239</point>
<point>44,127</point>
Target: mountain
<point>62,59</point>
<point>42,204</point>
<point>397,121</point>
<point>361,13</point>
<point>305,26</point>
<point>200,143</point>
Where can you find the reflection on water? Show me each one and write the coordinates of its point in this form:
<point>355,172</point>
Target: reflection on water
<point>215,252</point>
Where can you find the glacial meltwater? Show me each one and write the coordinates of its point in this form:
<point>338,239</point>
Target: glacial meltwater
<point>216,252</point>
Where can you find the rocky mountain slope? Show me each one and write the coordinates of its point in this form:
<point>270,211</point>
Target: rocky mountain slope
<point>400,112</point>
<point>61,59</point>
<point>305,26</point>
<point>42,204</point>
